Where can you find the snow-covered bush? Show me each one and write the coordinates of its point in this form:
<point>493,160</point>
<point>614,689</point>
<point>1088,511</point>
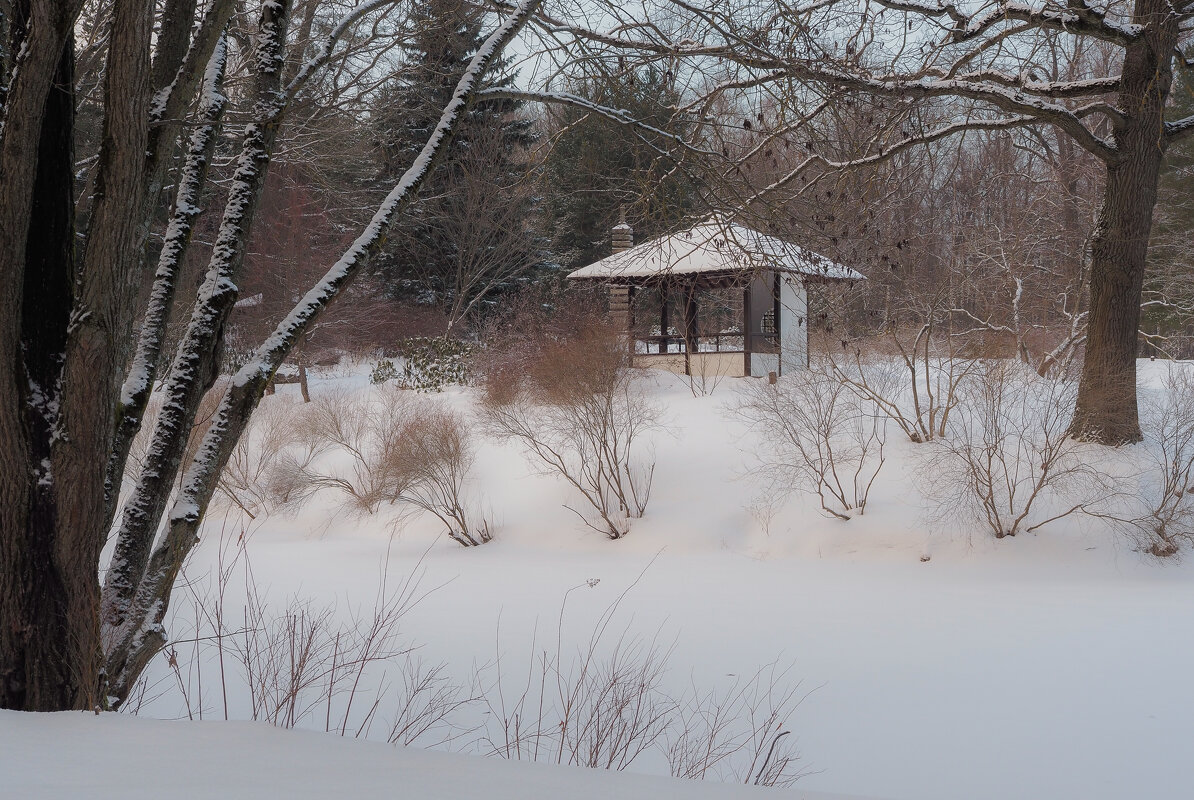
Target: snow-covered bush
<point>1007,461</point>
<point>429,364</point>
<point>817,436</point>
<point>384,370</point>
<point>561,386</point>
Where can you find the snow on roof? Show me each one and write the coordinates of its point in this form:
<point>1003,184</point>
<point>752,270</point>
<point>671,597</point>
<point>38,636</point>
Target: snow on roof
<point>715,245</point>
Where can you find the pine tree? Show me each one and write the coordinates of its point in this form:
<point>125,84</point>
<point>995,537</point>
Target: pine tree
<point>467,238</point>
<point>598,169</point>
<point>1170,278</point>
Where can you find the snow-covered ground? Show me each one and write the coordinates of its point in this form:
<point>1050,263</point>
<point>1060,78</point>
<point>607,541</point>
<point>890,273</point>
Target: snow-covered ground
<point>1053,665</point>
<point>70,756</point>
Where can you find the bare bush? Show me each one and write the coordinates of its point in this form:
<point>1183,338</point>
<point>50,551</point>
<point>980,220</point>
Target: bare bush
<point>387,447</point>
<point>916,383</point>
<point>250,480</point>
<point>737,734</point>
<point>1008,461</point>
<point>817,436</point>
<point>1160,516</point>
<point>433,457</point>
<point>561,386</point>
<point>606,707</point>
<point>303,664</point>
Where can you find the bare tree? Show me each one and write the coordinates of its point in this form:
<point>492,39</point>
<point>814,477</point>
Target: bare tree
<point>76,379</point>
<point>992,65</point>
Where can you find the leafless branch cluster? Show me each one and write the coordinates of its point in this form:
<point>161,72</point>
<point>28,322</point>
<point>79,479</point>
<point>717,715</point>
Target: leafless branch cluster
<point>254,478</point>
<point>389,447</point>
<point>435,453</point>
<point>737,734</point>
<point>563,389</point>
<point>603,706</point>
<point>918,389</point>
<point>1160,516</point>
<point>1007,461</point>
<point>607,707</point>
<point>818,436</point>
<point>363,433</point>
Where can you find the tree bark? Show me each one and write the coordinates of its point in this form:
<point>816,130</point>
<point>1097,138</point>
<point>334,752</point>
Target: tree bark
<point>38,635</point>
<point>1106,410</point>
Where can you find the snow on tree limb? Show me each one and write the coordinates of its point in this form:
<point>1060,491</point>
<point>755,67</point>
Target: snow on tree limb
<point>195,362</point>
<point>141,635</point>
<point>139,382</point>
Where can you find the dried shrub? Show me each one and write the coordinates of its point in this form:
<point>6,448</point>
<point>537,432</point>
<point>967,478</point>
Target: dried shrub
<point>364,433</point>
<point>434,455</point>
<point>606,706</point>
<point>556,379</point>
<point>385,447</point>
<point>737,734</point>
<point>250,479</point>
<point>303,664</point>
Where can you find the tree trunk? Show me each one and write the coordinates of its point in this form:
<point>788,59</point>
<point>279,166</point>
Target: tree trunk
<point>1106,410</point>
<point>43,667</point>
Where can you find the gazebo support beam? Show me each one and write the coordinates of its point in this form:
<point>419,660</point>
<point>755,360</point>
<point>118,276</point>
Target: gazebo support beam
<point>746,330</point>
<point>690,326</point>
<point>663,317</point>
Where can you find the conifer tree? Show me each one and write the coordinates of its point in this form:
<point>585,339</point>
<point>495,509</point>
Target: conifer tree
<point>467,239</point>
<point>598,169</point>
<point>1168,313</point>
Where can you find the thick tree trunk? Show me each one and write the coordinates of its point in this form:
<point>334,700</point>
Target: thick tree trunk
<point>1106,410</point>
<point>40,664</point>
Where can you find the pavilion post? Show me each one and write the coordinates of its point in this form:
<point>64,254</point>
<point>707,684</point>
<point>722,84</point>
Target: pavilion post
<point>691,344</point>
<point>663,317</point>
<point>746,330</point>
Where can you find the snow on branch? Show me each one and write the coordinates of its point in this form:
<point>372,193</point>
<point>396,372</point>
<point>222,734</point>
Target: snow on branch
<point>171,100</point>
<point>1179,129</point>
<point>142,636</point>
<point>1076,18</point>
<point>139,382</point>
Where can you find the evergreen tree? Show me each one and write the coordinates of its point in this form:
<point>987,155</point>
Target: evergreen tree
<point>468,237</point>
<point>598,169</point>
<point>1170,278</point>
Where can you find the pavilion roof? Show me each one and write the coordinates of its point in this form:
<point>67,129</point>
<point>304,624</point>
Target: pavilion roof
<point>714,246</point>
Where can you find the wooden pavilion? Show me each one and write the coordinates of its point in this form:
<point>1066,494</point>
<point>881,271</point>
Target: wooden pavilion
<point>716,299</point>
